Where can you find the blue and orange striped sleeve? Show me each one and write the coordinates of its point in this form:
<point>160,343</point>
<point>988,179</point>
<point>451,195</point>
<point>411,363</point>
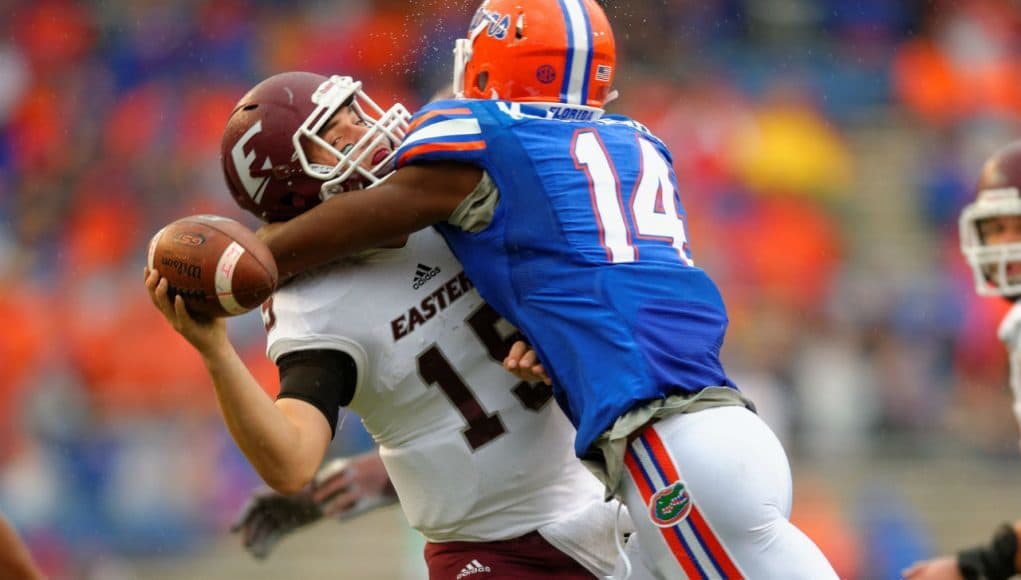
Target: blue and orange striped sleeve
<point>443,131</point>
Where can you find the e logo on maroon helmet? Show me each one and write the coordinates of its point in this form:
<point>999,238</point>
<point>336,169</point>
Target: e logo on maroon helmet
<point>243,162</point>
<point>670,505</point>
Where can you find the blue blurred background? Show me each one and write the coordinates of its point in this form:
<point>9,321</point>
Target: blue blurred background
<point>824,149</point>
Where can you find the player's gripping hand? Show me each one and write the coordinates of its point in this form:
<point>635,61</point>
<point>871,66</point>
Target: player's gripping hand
<point>344,488</point>
<point>204,335</point>
<point>944,568</point>
<point>523,363</point>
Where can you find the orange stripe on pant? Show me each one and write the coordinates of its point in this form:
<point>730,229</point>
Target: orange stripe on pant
<point>670,535</point>
<point>718,552</point>
<point>667,470</point>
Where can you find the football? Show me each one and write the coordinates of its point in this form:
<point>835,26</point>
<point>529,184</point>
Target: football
<point>217,264</point>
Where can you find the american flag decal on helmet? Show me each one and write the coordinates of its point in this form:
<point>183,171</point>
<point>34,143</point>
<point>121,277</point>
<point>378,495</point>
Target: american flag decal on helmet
<point>603,73</point>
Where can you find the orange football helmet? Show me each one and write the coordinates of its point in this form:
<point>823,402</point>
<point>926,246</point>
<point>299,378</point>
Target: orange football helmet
<point>538,51</point>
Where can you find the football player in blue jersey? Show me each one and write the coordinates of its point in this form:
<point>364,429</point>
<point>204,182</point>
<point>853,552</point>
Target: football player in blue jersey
<point>570,224</point>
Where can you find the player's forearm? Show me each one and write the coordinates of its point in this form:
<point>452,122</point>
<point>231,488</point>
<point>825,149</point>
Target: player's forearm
<point>269,439</point>
<point>339,227</point>
<point>411,199</point>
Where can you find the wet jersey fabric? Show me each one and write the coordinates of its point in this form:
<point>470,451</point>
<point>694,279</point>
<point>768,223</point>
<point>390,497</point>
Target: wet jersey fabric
<point>586,252</point>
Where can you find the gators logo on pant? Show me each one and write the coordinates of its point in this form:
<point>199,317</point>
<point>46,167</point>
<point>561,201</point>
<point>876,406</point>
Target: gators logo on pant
<point>670,505</point>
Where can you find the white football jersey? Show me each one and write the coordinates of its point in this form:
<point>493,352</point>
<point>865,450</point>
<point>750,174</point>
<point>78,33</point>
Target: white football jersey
<point>474,454</point>
<point>1010,333</point>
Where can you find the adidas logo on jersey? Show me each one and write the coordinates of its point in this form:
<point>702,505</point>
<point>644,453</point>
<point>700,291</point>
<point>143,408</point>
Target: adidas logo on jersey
<point>423,274</point>
<point>473,567</point>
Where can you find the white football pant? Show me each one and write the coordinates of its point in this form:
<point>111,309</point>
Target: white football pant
<point>710,495</point>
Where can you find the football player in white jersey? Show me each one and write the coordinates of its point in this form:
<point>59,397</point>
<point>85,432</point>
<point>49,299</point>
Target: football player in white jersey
<point>990,230</point>
<point>481,461</point>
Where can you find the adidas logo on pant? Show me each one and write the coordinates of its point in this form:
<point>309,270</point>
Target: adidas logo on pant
<point>473,567</point>
<point>423,274</point>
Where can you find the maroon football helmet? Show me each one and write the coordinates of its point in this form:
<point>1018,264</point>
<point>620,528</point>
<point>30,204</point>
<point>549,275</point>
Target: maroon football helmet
<point>998,195</point>
<point>263,147</point>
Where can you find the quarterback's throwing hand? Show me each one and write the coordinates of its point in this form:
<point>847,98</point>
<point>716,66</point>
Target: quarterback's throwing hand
<point>204,335</point>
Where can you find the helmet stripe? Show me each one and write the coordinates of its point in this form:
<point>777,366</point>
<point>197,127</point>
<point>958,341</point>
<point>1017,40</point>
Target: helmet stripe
<point>574,89</point>
<point>589,54</point>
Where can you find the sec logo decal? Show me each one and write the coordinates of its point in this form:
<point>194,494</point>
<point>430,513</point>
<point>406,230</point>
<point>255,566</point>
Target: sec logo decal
<point>189,239</point>
<point>546,74</point>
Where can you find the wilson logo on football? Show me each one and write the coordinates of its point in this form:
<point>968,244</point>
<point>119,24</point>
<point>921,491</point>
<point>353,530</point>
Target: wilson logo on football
<point>183,268</point>
<point>670,505</point>
<point>189,239</point>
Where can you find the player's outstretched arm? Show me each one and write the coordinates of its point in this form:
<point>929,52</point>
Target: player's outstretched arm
<point>344,488</point>
<point>412,198</point>
<point>284,441</point>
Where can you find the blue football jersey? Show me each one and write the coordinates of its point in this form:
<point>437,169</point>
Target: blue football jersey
<point>586,252</point>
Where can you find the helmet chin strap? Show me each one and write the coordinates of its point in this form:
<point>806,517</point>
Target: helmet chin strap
<point>329,190</point>
<point>320,168</point>
<point>611,97</point>
<point>462,54</point>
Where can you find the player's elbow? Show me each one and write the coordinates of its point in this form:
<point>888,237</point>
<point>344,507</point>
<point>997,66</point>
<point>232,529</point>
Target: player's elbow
<point>288,462</point>
<point>288,483</point>
<point>286,487</point>
<point>288,476</point>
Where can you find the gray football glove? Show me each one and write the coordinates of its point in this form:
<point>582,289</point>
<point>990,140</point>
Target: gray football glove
<point>344,488</point>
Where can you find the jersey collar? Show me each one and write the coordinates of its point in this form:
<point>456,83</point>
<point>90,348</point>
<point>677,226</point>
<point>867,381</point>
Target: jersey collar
<point>560,111</point>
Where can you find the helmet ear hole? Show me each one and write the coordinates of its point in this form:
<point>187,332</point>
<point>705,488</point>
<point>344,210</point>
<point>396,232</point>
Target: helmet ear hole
<point>519,27</point>
<point>287,199</point>
<point>481,81</point>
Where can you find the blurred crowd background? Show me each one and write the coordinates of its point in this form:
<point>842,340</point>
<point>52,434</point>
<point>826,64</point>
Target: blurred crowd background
<point>824,150</point>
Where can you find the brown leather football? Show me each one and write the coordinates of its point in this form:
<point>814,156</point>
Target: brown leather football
<point>217,264</point>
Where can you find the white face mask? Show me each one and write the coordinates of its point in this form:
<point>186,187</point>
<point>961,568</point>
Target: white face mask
<point>386,130</point>
<point>990,263</point>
